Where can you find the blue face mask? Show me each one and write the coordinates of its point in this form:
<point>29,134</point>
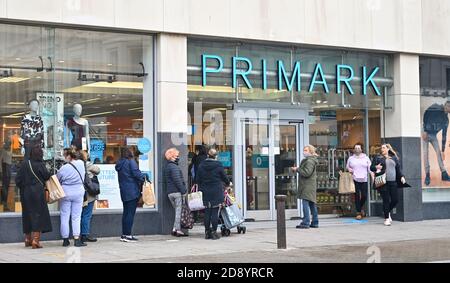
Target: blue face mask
<point>177,160</point>
<point>306,154</point>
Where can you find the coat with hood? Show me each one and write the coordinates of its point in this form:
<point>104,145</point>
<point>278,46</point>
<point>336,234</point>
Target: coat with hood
<point>174,178</point>
<point>308,179</point>
<point>211,179</point>
<point>130,179</point>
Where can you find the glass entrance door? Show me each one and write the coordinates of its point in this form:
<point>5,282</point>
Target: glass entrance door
<point>270,149</point>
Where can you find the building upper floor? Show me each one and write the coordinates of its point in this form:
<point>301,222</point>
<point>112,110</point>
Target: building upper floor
<point>410,26</point>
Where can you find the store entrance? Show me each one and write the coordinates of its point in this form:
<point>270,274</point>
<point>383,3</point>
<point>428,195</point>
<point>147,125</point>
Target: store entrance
<point>267,146</point>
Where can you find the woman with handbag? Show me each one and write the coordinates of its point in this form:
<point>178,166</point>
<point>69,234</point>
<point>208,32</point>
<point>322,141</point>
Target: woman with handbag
<point>71,176</point>
<point>388,178</point>
<point>211,177</point>
<point>131,180</point>
<point>88,206</point>
<point>176,188</point>
<point>359,166</point>
<point>30,179</point>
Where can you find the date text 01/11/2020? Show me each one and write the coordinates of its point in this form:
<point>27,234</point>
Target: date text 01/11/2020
<point>229,272</point>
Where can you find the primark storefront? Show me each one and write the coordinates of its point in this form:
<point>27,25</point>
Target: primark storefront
<point>257,102</point>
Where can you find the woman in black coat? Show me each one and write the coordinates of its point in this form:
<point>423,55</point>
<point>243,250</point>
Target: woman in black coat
<point>211,177</point>
<point>30,179</point>
<point>388,163</point>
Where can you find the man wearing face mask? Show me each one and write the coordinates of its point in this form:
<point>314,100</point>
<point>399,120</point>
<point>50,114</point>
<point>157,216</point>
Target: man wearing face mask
<point>176,187</point>
<point>359,165</point>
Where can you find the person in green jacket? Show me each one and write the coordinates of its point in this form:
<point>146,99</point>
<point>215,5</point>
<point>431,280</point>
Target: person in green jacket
<point>308,187</point>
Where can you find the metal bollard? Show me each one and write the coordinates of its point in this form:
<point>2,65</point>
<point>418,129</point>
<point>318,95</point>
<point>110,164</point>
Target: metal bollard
<point>281,221</point>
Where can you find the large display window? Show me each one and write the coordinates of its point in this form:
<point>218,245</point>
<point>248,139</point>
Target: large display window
<point>66,87</point>
<point>435,106</point>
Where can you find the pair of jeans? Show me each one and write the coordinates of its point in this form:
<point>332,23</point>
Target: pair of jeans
<point>361,195</point>
<point>434,142</point>
<point>389,194</point>
<point>71,207</point>
<point>129,210</point>
<point>176,200</point>
<point>211,218</point>
<point>86,216</point>
<point>308,206</point>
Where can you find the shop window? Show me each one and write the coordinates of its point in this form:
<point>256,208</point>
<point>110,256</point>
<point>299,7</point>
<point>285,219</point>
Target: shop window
<point>63,88</point>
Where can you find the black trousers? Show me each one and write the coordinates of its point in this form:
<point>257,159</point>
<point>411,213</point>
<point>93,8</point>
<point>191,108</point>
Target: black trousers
<point>361,195</point>
<point>389,194</point>
<point>211,218</point>
<point>6,179</point>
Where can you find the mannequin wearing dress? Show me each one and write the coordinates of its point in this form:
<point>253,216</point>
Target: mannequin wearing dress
<point>79,128</point>
<point>31,130</point>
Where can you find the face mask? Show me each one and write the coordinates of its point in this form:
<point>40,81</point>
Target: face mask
<point>306,154</point>
<point>177,159</point>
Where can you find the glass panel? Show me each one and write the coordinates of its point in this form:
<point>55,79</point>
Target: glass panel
<point>257,166</point>
<point>23,78</point>
<point>99,86</point>
<point>285,151</point>
<point>434,109</point>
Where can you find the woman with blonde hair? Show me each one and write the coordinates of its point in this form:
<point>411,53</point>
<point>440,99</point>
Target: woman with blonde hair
<point>308,187</point>
<point>386,166</point>
<point>176,188</point>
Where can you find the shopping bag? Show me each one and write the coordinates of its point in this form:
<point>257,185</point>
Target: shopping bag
<point>148,194</point>
<point>231,216</point>
<point>346,184</point>
<point>195,199</point>
<point>187,219</point>
<point>55,190</point>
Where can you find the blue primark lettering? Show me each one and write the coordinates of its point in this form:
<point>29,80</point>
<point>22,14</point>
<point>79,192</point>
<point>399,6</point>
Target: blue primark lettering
<point>264,74</point>
<point>205,69</point>
<point>237,72</point>
<point>365,81</point>
<point>344,75</point>
<point>318,70</point>
<point>282,75</point>
<point>346,81</point>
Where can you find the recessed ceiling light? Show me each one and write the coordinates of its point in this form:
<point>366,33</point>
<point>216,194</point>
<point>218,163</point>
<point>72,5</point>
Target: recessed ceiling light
<point>109,64</point>
<point>318,101</point>
<point>61,61</point>
<point>18,59</point>
<point>38,77</point>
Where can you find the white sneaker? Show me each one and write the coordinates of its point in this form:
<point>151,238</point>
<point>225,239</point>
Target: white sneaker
<point>390,219</point>
<point>387,222</point>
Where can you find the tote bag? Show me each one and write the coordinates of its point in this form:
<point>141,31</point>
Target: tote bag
<point>195,199</point>
<point>148,193</point>
<point>346,184</point>
<point>54,188</point>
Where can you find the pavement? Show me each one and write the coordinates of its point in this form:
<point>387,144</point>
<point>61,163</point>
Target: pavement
<point>337,240</point>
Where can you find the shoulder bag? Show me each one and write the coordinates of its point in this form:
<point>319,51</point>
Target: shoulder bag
<point>92,188</point>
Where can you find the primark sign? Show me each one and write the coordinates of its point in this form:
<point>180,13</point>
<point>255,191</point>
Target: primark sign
<point>343,77</point>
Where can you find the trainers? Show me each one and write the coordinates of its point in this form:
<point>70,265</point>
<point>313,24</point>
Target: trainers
<point>427,179</point>
<point>128,239</point>
<point>301,226</point>
<point>387,222</point>
<point>181,234</point>
<point>390,219</point>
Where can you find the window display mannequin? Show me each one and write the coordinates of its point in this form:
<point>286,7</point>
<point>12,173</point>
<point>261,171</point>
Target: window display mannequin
<point>79,128</point>
<point>31,129</point>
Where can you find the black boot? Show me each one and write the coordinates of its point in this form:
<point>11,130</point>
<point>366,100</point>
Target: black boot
<point>66,242</point>
<point>445,176</point>
<point>87,238</point>
<point>214,235</point>
<point>207,234</point>
<point>79,243</point>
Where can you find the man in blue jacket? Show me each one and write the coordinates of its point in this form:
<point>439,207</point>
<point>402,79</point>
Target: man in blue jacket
<point>435,120</point>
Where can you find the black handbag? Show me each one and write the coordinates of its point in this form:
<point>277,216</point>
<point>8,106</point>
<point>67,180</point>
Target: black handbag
<point>90,186</point>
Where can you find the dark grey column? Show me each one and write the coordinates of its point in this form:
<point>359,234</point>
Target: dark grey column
<point>410,206</point>
<point>165,142</point>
